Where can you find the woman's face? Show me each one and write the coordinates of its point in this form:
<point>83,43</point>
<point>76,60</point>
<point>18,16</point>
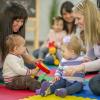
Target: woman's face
<point>68,17</point>
<point>17,24</point>
<point>79,20</point>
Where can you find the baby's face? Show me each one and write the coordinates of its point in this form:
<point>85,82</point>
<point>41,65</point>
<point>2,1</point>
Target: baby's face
<point>66,53</point>
<point>20,49</point>
<point>58,26</point>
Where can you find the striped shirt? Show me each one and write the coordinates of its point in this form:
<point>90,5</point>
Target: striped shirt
<point>67,63</point>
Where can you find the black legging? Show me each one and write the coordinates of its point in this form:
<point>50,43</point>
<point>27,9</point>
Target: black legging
<point>94,85</point>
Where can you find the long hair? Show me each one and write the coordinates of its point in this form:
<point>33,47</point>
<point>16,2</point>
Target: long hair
<point>67,6</point>
<point>98,4</point>
<point>10,13</point>
<point>91,19</point>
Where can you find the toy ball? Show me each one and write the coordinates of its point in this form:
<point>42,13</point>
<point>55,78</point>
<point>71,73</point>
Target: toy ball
<point>56,62</point>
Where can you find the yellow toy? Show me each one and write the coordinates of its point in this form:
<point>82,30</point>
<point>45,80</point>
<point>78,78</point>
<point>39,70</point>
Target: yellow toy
<point>52,51</point>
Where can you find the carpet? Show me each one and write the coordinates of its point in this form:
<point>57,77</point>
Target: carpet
<point>53,97</point>
<point>6,94</point>
<point>86,94</point>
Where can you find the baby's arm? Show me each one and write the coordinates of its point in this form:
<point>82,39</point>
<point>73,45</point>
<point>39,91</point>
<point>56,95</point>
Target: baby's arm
<point>20,70</point>
<point>58,73</point>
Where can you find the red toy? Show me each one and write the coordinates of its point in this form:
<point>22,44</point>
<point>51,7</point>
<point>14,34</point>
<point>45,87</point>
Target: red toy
<point>43,67</point>
<point>53,51</point>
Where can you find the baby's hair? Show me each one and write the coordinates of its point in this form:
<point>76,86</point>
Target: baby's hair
<point>13,41</point>
<point>57,18</point>
<point>74,44</point>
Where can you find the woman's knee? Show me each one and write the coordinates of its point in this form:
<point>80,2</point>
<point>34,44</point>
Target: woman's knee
<point>94,85</point>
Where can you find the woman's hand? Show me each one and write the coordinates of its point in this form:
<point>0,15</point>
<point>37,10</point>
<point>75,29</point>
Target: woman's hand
<point>86,59</point>
<point>35,71</point>
<point>71,70</point>
<point>37,60</point>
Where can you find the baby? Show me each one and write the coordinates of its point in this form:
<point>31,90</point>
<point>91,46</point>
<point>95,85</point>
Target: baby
<point>16,74</point>
<point>66,85</point>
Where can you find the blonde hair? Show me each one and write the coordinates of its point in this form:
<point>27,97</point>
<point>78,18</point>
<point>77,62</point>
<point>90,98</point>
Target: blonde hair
<point>74,44</point>
<point>13,41</point>
<point>92,20</point>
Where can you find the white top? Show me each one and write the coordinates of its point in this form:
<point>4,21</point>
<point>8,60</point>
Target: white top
<point>14,66</point>
<point>57,37</point>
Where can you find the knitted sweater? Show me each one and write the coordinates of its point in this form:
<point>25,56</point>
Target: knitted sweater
<point>67,63</point>
<point>14,66</point>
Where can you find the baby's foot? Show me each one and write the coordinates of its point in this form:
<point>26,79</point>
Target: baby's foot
<point>61,92</point>
<point>45,88</point>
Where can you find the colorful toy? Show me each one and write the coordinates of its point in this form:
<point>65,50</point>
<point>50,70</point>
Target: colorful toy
<point>40,66</point>
<point>43,67</point>
<point>52,51</point>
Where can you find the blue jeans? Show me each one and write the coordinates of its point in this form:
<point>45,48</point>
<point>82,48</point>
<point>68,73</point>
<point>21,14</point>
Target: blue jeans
<point>49,60</point>
<point>30,66</point>
<point>94,85</point>
<point>71,87</point>
<point>40,53</point>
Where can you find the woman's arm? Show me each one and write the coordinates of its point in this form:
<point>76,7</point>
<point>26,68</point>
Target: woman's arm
<point>92,66</point>
<point>85,67</point>
<point>28,58</point>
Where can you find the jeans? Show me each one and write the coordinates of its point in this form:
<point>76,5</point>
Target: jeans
<point>49,60</point>
<point>40,53</point>
<point>1,77</point>
<point>30,66</point>
<point>94,85</point>
<point>71,87</point>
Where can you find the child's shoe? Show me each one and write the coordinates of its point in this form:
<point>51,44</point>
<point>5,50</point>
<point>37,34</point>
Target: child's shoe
<point>61,92</point>
<point>45,88</point>
<point>37,91</point>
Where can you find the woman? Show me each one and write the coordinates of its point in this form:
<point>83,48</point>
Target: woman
<point>12,21</point>
<point>66,13</point>
<point>69,26</point>
<point>88,19</point>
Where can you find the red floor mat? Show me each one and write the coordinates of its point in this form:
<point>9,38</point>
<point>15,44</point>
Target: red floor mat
<point>6,94</point>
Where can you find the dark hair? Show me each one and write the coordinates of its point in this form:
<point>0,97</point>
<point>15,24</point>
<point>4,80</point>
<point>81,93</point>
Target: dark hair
<point>11,12</point>
<point>57,18</point>
<point>67,6</point>
<point>98,4</point>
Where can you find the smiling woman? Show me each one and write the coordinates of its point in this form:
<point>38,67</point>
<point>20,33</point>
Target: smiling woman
<point>12,21</point>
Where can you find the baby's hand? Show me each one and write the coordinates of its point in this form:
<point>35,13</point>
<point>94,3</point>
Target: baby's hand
<point>35,71</point>
<point>56,78</point>
<point>69,71</point>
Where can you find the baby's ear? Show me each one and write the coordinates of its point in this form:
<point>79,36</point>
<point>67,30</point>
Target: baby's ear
<point>15,48</point>
<point>73,52</point>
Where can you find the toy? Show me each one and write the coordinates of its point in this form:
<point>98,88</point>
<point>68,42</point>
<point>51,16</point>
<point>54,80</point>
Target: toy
<point>40,66</point>
<point>43,67</point>
<point>52,51</point>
